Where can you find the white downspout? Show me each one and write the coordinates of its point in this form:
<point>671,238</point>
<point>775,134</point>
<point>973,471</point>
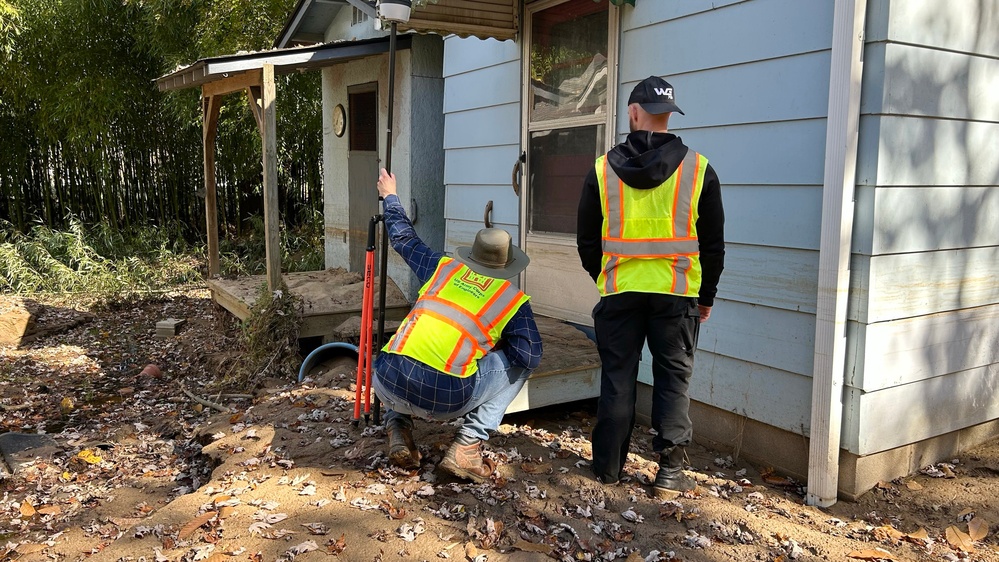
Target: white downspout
<point>839,182</point>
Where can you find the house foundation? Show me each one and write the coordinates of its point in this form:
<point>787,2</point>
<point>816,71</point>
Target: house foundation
<point>787,452</point>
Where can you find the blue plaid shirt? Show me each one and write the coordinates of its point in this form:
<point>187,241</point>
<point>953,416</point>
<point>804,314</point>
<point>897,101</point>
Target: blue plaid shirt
<point>417,383</point>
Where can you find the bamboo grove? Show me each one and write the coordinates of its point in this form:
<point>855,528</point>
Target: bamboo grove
<point>86,136</point>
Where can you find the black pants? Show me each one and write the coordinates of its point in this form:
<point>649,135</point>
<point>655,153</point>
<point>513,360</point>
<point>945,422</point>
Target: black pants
<point>623,322</point>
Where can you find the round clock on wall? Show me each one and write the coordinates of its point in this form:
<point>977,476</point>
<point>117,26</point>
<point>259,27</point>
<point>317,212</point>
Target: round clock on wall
<point>339,120</point>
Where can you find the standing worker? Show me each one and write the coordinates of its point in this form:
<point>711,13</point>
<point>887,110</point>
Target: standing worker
<point>465,349</point>
<point>650,232</point>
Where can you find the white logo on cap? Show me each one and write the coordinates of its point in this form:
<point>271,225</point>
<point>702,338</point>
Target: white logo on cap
<point>668,92</point>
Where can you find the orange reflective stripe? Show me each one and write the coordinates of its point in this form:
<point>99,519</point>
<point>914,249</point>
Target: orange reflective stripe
<point>400,338</point>
<point>464,313</point>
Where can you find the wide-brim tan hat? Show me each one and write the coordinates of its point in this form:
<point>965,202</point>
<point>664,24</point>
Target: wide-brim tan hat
<point>493,254</point>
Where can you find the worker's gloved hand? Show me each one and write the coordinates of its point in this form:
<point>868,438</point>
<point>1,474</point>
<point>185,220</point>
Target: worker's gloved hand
<point>386,183</point>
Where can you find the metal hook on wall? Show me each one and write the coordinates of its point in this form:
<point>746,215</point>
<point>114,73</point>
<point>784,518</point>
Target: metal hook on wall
<point>485,215</point>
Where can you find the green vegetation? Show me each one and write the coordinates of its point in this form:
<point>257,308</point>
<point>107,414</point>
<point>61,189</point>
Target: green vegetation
<point>104,262</point>
<point>268,340</point>
<point>88,136</point>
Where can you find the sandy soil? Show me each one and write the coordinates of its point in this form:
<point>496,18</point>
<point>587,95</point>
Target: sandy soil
<point>146,473</point>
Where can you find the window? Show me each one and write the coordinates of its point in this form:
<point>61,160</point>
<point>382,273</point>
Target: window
<point>567,107</point>
<point>358,17</point>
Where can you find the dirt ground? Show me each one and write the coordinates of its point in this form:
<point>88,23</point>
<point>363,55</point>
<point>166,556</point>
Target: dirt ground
<point>146,473</point>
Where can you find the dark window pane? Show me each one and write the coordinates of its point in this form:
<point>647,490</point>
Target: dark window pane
<point>363,121</point>
<point>559,162</point>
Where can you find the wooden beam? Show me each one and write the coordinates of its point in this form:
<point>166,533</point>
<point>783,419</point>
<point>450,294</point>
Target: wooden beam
<point>273,240</point>
<point>210,123</point>
<point>232,83</point>
<point>253,94</point>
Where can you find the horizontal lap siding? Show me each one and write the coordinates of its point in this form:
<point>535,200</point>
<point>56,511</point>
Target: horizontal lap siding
<point>925,346</point>
<point>753,79</point>
<point>481,136</point>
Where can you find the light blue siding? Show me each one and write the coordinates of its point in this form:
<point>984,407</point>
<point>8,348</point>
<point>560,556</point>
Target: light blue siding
<point>728,36</point>
<point>481,136</point>
<point>471,54</point>
<point>752,218</point>
<point>889,354</point>
<point>784,89</point>
<point>782,278</point>
<point>492,85</point>
<point>924,295</point>
<point>924,219</point>
<point>480,166</point>
<point>774,153</point>
<point>909,413</point>
<point>753,79</point>
<point>474,127</point>
<point>749,389</point>
<point>766,336</point>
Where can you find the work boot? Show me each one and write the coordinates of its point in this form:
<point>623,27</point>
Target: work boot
<point>403,451</point>
<point>466,461</point>
<point>670,480</point>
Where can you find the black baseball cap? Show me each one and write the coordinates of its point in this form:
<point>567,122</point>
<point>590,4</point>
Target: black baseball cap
<point>655,95</point>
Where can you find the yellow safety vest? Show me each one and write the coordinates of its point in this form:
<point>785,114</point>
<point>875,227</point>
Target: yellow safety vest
<point>649,236</point>
<point>458,317</point>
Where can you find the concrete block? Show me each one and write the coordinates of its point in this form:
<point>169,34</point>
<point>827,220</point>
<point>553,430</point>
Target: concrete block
<point>19,449</point>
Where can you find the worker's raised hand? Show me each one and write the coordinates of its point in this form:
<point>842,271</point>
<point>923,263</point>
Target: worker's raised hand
<point>386,183</point>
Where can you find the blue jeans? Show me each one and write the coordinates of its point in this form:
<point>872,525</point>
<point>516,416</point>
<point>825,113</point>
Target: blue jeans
<point>497,383</point>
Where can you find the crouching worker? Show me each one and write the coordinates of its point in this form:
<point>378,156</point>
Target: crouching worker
<point>464,350</point>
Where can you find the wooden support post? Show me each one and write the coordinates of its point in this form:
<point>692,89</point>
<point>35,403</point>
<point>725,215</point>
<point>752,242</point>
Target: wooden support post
<point>271,217</point>
<point>210,120</point>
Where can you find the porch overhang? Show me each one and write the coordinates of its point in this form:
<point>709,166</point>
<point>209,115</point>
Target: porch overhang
<point>285,61</point>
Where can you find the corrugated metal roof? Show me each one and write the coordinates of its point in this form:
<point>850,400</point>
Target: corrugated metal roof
<point>285,61</point>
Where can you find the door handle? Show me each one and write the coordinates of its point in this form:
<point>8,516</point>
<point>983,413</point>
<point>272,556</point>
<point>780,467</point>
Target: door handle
<point>515,177</point>
<point>486,213</point>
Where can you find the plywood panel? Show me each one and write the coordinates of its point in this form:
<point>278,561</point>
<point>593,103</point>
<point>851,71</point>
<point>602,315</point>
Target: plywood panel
<point>928,408</point>
<point>490,165</point>
<point>468,54</point>
<point>466,91</point>
<point>896,353</point>
<point>930,82</point>
<point>488,126</point>
<point>768,395</point>
<point>739,33</point>
<point>762,335</point>
<point>920,219</point>
<point>776,277</point>
<point>784,153</point>
<point>792,87</point>
<point>924,151</point>
<point>773,215</point>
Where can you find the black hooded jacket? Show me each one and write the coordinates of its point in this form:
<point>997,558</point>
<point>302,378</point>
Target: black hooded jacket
<point>644,161</point>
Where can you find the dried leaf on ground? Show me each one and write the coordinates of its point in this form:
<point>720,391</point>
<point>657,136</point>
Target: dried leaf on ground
<point>532,547</point>
<point>337,546</point>
<point>194,524</point>
<point>959,539</point>
<point>871,554</point>
<point>27,510</point>
<point>978,529</point>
